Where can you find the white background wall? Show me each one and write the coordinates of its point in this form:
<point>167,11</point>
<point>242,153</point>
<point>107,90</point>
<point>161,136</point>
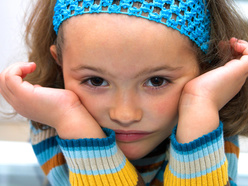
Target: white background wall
<point>11,33</point>
<point>12,47</point>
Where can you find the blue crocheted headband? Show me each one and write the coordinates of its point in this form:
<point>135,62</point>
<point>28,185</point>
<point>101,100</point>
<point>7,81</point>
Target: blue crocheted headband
<point>189,17</point>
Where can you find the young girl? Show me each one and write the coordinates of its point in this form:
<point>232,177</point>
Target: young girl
<point>134,92</point>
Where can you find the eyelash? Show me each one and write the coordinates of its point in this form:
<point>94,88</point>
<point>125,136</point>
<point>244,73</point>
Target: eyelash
<point>89,82</point>
<point>164,82</point>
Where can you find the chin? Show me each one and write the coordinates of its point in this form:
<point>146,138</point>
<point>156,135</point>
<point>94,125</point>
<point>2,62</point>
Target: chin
<point>132,152</point>
<point>133,156</point>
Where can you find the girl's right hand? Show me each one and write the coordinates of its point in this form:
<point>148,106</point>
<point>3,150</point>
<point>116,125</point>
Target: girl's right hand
<point>205,95</point>
<point>58,108</point>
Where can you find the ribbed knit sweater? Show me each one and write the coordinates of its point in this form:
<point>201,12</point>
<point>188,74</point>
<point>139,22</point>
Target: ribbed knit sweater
<point>208,160</point>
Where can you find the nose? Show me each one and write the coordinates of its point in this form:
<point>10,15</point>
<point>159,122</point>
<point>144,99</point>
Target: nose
<point>125,111</point>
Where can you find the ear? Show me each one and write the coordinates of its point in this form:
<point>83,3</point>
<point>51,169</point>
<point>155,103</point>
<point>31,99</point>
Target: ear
<point>53,51</point>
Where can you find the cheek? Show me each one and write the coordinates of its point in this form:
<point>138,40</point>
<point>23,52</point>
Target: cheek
<point>166,106</point>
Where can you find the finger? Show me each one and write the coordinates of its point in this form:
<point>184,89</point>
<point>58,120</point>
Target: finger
<point>243,47</point>
<point>13,76</point>
<point>14,90</point>
<point>12,84</point>
<point>17,69</point>
<point>22,69</point>
<point>27,69</point>
<point>239,46</point>
<point>23,65</point>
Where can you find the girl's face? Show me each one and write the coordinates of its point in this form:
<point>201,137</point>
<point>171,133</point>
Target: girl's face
<point>129,73</point>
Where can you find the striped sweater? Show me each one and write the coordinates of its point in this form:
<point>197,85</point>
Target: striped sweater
<point>209,160</point>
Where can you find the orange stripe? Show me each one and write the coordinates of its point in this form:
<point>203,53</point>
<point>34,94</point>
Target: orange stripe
<point>231,148</point>
<point>55,161</point>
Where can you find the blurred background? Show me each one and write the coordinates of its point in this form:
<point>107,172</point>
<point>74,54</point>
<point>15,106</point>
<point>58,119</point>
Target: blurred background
<point>18,165</point>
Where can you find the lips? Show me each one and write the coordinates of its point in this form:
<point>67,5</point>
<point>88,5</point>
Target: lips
<point>130,136</point>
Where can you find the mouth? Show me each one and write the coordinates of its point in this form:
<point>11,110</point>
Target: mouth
<point>130,136</point>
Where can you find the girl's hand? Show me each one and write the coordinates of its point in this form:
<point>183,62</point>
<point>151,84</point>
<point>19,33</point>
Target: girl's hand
<point>204,96</point>
<point>57,108</point>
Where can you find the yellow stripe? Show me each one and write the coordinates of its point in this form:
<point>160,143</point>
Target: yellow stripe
<point>217,177</point>
<point>126,177</point>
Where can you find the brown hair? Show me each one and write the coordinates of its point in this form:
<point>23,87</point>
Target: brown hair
<point>225,23</point>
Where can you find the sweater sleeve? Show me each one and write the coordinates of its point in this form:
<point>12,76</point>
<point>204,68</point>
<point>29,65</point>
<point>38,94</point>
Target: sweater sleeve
<point>98,162</point>
<point>232,154</point>
<point>83,161</point>
<point>49,155</point>
<point>202,161</point>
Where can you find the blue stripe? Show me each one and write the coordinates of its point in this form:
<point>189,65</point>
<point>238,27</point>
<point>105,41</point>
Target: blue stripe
<point>232,165</point>
<point>202,141</point>
<point>59,176</point>
<point>219,141</point>
<point>233,139</point>
<point>232,183</point>
<point>197,153</point>
<point>91,153</point>
<point>88,148</point>
<point>48,154</point>
<point>89,142</point>
<point>100,172</point>
<point>197,174</point>
<point>44,145</point>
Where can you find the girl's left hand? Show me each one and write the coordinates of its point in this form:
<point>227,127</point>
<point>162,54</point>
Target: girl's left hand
<point>204,96</point>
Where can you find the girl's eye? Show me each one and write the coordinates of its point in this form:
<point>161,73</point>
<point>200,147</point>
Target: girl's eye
<point>96,82</point>
<point>156,82</point>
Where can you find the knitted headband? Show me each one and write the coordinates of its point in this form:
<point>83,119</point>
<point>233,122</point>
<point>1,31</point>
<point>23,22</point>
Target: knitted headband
<point>189,17</point>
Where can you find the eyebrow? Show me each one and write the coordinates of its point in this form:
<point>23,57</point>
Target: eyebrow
<point>156,69</point>
<point>143,72</point>
<point>86,67</point>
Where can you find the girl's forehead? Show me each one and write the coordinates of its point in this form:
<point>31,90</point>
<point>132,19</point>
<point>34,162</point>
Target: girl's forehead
<point>120,40</point>
<point>107,28</point>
